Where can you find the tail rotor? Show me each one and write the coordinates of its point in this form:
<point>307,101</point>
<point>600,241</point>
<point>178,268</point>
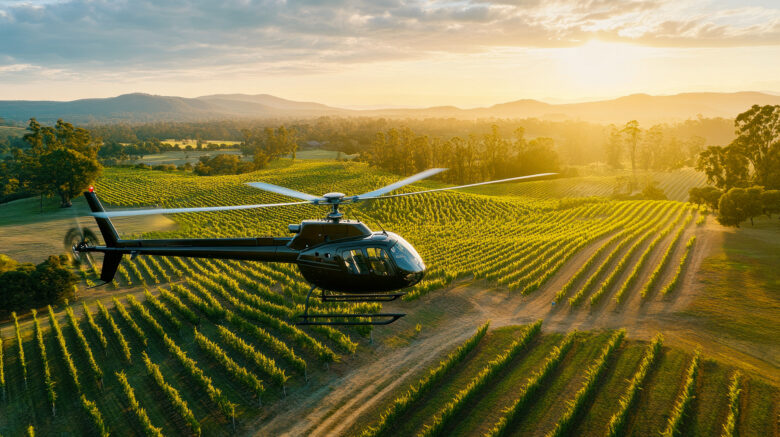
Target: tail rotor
<point>77,238</point>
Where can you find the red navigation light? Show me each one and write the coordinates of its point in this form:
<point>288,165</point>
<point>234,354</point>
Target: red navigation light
<point>91,189</point>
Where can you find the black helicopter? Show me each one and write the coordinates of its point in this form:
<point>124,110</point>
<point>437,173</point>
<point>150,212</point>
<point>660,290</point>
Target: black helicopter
<point>333,254</point>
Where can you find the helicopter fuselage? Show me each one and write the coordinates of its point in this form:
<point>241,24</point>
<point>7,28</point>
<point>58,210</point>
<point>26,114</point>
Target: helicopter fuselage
<point>342,256</point>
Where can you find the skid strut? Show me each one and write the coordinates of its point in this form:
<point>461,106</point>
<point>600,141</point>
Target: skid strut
<point>349,319</point>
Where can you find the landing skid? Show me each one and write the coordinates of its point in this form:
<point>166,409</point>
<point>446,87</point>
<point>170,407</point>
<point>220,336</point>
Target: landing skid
<point>375,319</point>
<point>349,319</point>
<point>359,297</point>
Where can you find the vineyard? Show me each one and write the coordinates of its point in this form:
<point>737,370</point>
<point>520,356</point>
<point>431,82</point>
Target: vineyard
<point>528,240</point>
<point>205,347</point>
<point>515,381</point>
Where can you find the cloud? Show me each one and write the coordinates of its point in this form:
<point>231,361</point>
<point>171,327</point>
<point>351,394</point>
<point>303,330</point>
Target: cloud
<point>278,35</point>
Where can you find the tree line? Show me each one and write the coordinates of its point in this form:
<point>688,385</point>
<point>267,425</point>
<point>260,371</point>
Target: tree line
<point>650,149</point>
<point>577,142</point>
<point>744,176</point>
<point>112,152</point>
<point>471,159</point>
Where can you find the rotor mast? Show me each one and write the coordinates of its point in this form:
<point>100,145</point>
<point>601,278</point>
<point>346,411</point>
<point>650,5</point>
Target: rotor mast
<point>334,200</point>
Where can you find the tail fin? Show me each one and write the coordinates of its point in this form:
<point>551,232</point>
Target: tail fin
<point>110,265</point>
<point>104,223</point>
<point>112,259</point>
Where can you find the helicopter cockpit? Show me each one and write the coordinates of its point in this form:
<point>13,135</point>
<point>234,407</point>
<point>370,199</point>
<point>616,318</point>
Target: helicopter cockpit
<point>384,260</point>
<point>376,262</point>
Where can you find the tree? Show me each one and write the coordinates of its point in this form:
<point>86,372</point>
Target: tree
<point>273,143</point>
<point>725,167</point>
<point>67,173</point>
<point>754,205</point>
<point>708,195</point>
<point>631,131</point>
<point>614,148</point>
<point>53,281</point>
<point>222,164</point>
<point>753,158</point>
<point>770,201</point>
<point>652,191</point>
<point>692,147</point>
<point>288,141</point>
<point>60,160</point>
<point>23,286</point>
<point>758,140</point>
<point>15,288</point>
<point>9,182</point>
<point>731,207</point>
<point>7,263</point>
<point>112,149</point>
<point>537,156</point>
<point>651,152</point>
<point>260,160</point>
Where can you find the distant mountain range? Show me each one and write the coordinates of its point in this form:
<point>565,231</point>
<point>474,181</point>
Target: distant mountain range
<point>140,107</point>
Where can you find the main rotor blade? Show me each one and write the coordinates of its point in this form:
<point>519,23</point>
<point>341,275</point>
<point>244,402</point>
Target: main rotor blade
<point>132,212</point>
<point>460,186</point>
<point>410,180</point>
<point>282,190</point>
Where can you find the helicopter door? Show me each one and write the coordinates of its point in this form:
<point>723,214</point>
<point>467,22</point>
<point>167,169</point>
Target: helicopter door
<point>374,260</point>
<point>379,261</point>
<point>355,261</point>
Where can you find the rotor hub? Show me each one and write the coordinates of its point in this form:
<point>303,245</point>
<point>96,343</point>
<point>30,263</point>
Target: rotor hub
<point>333,197</point>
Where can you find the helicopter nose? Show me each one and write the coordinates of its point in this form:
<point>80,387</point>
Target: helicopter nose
<point>414,278</point>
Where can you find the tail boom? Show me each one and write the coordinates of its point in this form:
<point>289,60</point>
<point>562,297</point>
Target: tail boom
<point>252,249</point>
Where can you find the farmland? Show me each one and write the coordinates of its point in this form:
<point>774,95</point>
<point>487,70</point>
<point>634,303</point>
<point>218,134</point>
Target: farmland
<point>193,345</point>
<point>581,383</point>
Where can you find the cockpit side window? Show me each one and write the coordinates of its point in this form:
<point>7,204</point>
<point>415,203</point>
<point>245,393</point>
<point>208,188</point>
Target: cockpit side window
<point>355,261</point>
<point>379,261</point>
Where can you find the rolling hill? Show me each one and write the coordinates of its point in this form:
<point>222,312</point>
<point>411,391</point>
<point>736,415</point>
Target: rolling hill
<point>139,107</point>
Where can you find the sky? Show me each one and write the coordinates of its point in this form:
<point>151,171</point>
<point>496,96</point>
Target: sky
<point>380,53</point>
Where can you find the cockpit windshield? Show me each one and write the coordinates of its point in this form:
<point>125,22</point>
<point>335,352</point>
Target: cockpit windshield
<point>406,258</point>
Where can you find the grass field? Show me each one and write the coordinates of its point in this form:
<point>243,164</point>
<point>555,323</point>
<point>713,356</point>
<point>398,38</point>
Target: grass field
<point>741,278</point>
<point>548,252</point>
<point>182,157</point>
<point>194,143</point>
